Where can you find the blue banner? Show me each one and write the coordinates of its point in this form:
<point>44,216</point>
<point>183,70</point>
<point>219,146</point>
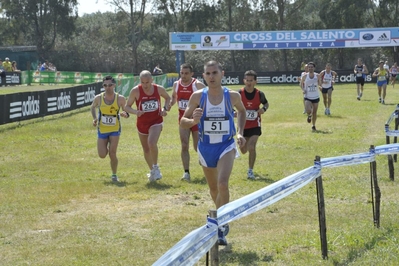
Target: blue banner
<point>261,40</point>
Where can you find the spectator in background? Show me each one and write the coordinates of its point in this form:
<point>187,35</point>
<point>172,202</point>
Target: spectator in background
<point>157,70</point>
<point>2,72</point>
<point>7,65</point>
<point>44,66</point>
<point>14,67</point>
<point>51,67</point>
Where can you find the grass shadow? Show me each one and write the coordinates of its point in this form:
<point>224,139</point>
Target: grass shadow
<point>355,253</point>
<point>201,181</point>
<point>117,184</point>
<point>336,116</point>
<point>321,131</point>
<point>264,178</point>
<point>241,258</point>
<point>158,185</point>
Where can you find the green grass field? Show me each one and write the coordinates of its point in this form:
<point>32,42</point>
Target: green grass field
<point>58,206</point>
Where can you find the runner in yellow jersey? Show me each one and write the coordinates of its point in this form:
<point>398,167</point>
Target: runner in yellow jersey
<point>108,123</point>
<point>382,79</point>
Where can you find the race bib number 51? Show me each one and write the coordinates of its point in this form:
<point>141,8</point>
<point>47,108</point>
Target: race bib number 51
<point>216,126</point>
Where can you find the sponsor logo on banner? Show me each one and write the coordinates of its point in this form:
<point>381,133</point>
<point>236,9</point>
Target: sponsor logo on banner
<point>78,77</point>
<point>25,108</point>
<point>263,80</point>
<point>99,77</point>
<point>59,103</point>
<point>12,79</point>
<point>85,97</point>
<point>375,37</point>
<point>285,79</point>
<point>215,40</point>
<point>227,80</point>
<point>36,76</point>
<point>352,78</point>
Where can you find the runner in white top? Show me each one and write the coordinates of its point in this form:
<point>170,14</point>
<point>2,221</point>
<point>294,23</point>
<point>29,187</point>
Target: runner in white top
<point>310,87</point>
<point>327,80</point>
<point>302,74</point>
<point>394,72</point>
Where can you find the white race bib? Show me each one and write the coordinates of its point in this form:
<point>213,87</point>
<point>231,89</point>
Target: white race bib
<point>252,114</point>
<point>359,75</point>
<point>381,78</point>
<point>183,104</point>
<point>108,120</point>
<point>216,126</point>
<point>149,106</point>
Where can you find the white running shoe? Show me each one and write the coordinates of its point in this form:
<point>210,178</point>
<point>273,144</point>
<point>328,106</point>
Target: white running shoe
<point>250,174</point>
<point>157,172</point>
<point>151,176</point>
<point>186,177</point>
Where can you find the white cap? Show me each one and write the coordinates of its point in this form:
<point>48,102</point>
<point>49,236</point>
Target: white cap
<point>7,58</point>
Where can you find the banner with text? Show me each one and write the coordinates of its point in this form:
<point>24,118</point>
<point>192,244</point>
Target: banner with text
<point>304,39</point>
<point>283,77</point>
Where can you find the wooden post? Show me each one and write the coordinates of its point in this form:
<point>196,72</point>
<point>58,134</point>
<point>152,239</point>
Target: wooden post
<point>390,159</point>
<point>215,249</point>
<point>375,192</point>
<point>322,214</point>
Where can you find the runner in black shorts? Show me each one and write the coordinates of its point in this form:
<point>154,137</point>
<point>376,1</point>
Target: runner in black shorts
<point>360,71</point>
<point>252,99</point>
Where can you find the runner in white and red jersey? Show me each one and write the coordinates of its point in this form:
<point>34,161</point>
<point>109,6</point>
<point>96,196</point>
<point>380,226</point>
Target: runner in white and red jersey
<point>182,90</point>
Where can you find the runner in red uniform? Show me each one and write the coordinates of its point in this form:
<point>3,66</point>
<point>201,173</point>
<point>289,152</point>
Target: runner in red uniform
<point>147,97</point>
<point>182,90</point>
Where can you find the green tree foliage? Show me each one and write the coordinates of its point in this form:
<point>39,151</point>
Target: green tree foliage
<point>135,37</point>
<point>40,22</point>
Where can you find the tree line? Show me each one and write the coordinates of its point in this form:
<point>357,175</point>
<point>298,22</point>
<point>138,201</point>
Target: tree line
<point>133,38</point>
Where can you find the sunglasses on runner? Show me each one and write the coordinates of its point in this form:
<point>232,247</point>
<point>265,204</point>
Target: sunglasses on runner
<point>108,85</point>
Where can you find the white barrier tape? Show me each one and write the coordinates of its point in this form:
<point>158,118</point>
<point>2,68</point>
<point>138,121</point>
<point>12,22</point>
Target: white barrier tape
<point>348,160</point>
<point>392,133</point>
<point>266,196</point>
<point>192,247</point>
<point>389,121</point>
<point>387,149</point>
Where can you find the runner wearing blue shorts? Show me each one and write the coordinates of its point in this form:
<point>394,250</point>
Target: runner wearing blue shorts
<point>382,80</point>
<point>212,109</point>
<point>108,123</point>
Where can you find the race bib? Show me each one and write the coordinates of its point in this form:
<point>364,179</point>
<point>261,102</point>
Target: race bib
<point>183,104</point>
<point>149,106</point>
<point>359,75</point>
<point>381,78</point>
<point>216,126</point>
<point>252,114</point>
<point>108,120</point>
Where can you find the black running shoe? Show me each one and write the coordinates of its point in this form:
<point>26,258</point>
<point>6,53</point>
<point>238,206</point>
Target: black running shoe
<point>221,238</point>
